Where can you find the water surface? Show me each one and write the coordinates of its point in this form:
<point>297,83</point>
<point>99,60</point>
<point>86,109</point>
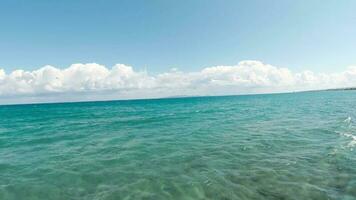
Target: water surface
<point>281,146</point>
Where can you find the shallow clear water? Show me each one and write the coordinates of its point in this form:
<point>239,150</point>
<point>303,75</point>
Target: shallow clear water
<point>283,146</point>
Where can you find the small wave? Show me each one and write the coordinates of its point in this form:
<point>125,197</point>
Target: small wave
<point>348,120</point>
<point>349,135</point>
<point>347,132</point>
<point>352,143</point>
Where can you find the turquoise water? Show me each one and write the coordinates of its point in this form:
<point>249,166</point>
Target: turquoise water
<point>282,146</point>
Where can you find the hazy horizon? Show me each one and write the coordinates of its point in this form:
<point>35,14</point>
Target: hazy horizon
<point>90,82</point>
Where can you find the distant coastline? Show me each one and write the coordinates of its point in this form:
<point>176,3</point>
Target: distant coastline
<point>347,88</point>
<point>331,89</point>
<point>179,97</point>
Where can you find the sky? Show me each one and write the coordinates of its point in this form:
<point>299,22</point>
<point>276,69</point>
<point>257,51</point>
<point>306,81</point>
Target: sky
<point>159,37</point>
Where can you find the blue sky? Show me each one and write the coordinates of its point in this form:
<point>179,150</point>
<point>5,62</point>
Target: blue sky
<point>190,35</point>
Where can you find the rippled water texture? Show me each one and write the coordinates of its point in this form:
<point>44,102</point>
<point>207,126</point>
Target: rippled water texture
<point>283,146</point>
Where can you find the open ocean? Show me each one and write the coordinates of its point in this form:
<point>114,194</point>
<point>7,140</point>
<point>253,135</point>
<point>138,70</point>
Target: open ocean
<point>277,146</point>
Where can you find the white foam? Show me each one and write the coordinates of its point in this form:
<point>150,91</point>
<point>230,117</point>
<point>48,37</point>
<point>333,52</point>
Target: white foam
<point>348,120</point>
<point>352,143</point>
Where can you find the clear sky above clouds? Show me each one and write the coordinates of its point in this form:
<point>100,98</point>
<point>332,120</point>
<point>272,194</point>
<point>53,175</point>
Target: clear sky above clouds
<point>190,35</point>
<point>72,50</point>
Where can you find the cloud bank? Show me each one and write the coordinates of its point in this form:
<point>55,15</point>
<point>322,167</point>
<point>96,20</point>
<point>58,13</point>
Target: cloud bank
<point>96,82</point>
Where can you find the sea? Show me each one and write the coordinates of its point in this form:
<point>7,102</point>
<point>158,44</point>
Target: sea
<point>270,146</point>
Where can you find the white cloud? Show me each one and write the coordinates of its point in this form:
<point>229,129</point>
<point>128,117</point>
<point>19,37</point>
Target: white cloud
<point>95,82</point>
